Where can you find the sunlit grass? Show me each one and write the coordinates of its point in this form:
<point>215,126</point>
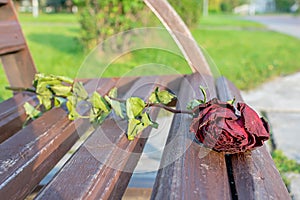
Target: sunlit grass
<point>245,52</point>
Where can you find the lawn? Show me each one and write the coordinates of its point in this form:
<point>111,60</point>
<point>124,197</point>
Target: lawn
<point>243,51</point>
<point>249,58</point>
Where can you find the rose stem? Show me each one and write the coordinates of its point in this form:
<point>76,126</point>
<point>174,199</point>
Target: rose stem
<point>20,89</point>
<point>170,109</point>
<point>159,105</point>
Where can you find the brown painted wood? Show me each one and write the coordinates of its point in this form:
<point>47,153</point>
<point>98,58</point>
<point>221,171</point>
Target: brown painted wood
<point>32,152</point>
<point>19,68</point>
<point>18,64</point>
<point>12,114</point>
<point>181,34</point>
<point>105,162</point>
<point>11,39</point>
<point>188,170</point>
<point>255,173</point>
<point>7,11</point>
<point>3,1</point>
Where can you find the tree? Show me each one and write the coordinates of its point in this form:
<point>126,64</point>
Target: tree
<point>189,10</point>
<point>284,5</point>
<point>100,19</point>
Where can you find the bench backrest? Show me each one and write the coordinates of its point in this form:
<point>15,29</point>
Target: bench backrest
<point>16,58</point>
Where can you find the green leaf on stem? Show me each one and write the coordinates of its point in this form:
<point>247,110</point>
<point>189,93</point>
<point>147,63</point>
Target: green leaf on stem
<point>204,93</point>
<point>58,101</point>
<point>45,101</point>
<point>134,127</point>
<point>134,107</point>
<point>231,101</point>
<point>118,107</point>
<point>98,116</point>
<point>113,93</point>
<point>192,104</point>
<point>71,106</point>
<point>147,121</point>
<point>31,111</point>
<point>79,91</point>
<point>64,79</point>
<point>61,90</point>
<point>195,102</point>
<point>99,102</point>
<point>162,96</point>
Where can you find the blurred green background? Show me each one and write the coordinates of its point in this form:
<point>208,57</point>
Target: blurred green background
<point>244,51</point>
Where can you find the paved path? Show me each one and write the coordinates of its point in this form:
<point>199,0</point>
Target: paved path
<point>280,99</point>
<point>287,24</point>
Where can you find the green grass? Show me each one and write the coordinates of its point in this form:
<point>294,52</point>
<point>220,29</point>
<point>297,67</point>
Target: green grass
<point>244,51</point>
<point>228,20</point>
<point>285,165</point>
<point>52,41</point>
<point>249,58</point>
<point>52,18</point>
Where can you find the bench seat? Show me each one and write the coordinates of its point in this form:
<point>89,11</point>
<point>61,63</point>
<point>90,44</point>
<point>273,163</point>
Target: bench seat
<point>102,167</point>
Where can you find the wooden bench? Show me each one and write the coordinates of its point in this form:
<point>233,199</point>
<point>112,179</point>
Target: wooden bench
<point>102,166</point>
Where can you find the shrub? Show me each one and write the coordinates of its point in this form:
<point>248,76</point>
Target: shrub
<point>189,10</point>
<point>284,5</point>
<point>100,19</point>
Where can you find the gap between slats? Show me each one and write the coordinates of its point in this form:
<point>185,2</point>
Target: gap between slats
<point>12,112</point>
<point>30,154</point>
<point>254,173</point>
<point>189,171</point>
<point>96,180</point>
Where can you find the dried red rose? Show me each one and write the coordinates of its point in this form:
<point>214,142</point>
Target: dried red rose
<point>218,126</point>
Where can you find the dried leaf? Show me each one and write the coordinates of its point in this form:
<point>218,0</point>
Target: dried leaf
<point>134,107</point>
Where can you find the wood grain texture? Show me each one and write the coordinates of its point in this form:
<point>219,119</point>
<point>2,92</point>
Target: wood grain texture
<point>255,173</point>
<point>16,58</point>
<point>188,170</point>
<point>3,2</point>
<point>102,161</point>
<point>7,11</point>
<point>12,114</point>
<point>11,39</point>
<point>30,154</point>
<point>181,34</point>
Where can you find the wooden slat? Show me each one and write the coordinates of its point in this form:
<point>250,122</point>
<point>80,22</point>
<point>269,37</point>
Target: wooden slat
<point>181,34</point>
<point>7,11</point>
<point>18,66</point>
<point>255,173</point>
<point>109,159</point>
<point>11,39</point>
<point>3,1</point>
<point>30,154</point>
<point>12,114</point>
<point>188,170</point>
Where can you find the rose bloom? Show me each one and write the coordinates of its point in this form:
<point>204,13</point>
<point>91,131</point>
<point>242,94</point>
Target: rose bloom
<point>224,128</point>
